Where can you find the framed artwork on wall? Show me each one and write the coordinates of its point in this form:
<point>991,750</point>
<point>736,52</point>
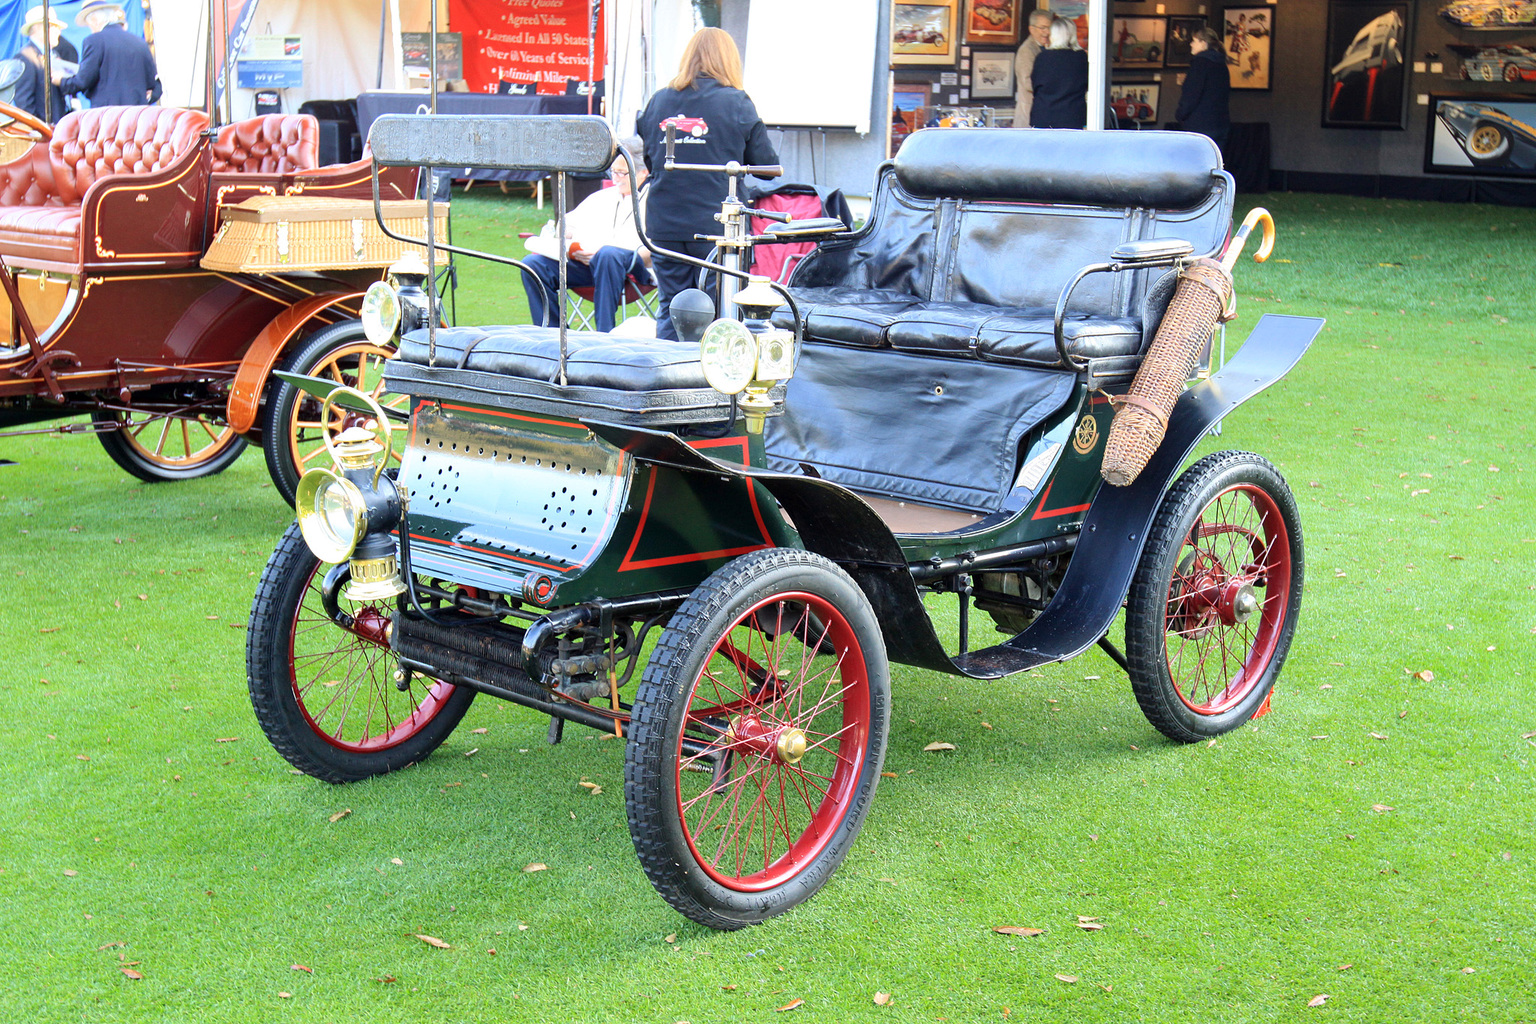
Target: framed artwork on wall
<point>1075,11</point>
<point>1495,62</point>
<point>924,33</point>
<point>1494,136</point>
<point>1134,101</point>
<point>992,21</point>
<point>992,74</point>
<point>1138,42</point>
<point>1367,75</point>
<point>1248,37</point>
<point>1180,32</point>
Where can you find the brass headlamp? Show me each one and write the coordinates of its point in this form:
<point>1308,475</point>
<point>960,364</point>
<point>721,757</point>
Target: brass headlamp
<point>351,511</point>
<point>749,355</point>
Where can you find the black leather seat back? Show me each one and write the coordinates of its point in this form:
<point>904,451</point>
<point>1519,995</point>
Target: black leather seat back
<point>1162,170</point>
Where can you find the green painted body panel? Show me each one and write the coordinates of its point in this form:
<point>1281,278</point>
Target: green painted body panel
<point>499,500</point>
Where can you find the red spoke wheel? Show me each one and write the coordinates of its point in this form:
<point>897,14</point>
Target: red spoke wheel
<point>293,438</point>
<point>758,733</point>
<point>1215,599</point>
<point>323,685</point>
<point>171,443</point>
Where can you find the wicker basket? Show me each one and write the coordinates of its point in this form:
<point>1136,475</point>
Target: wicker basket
<point>1203,296</point>
<point>278,234</point>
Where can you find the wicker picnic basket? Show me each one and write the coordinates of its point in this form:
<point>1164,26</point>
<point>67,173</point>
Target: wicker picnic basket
<point>1201,301</point>
<point>279,234</point>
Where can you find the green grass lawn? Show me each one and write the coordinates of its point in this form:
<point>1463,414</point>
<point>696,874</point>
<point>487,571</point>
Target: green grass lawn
<point>1371,840</point>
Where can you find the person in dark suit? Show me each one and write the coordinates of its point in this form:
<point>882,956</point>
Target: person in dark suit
<point>1060,78</point>
<point>33,93</point>
<point>1207,87</point>
<point>116,68</point>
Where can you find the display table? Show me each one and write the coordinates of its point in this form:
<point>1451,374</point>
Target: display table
<point>371,104</point>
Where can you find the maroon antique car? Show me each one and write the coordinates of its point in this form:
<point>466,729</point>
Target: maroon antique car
<point>112,305</point>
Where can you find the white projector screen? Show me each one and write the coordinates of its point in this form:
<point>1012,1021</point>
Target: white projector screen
<point>811,63</point>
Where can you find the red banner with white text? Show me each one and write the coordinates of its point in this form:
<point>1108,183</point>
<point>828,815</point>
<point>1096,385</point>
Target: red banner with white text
<point>546,43</point>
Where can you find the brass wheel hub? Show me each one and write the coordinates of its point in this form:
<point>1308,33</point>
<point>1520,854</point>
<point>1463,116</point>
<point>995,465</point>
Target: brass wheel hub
<point>782,742</point>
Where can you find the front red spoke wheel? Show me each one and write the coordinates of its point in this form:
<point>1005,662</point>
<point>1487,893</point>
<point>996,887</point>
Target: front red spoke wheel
<point>758,732</point>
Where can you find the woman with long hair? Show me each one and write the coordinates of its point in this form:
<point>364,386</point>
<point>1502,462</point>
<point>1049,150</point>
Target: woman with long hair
<point>1061,81</point>
<point>716,123</point>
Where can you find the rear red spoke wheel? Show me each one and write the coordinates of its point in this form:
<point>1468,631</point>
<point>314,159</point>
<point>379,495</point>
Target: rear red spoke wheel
<point>758,732</point>
<point>1214,604</point>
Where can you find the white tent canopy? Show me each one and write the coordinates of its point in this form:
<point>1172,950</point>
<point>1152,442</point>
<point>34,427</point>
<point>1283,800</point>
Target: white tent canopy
<point>341,46</point>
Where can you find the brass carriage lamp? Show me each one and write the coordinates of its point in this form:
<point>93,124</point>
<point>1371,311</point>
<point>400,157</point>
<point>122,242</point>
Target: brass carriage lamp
<point>350,513</point>
<point>398,303</point>
<point>749,355</point>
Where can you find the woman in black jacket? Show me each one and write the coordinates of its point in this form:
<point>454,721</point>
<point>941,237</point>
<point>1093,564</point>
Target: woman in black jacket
<point>718,123</point>
<point>1060,80</point>
<point>1203,103</point>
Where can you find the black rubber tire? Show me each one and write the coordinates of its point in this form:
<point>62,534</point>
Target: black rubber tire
<point>289,588</point>
<point>739,593</point>
<point>139,461</point>
<point>1175,602</point>
<point>339,343</point>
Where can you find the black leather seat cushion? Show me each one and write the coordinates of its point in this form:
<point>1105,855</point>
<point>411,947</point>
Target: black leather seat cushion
<point>847,316</point>
<point>1025,336</point>
<point>593,359</point>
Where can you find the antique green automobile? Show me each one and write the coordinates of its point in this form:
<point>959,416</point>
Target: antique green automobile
<point>715,550</point>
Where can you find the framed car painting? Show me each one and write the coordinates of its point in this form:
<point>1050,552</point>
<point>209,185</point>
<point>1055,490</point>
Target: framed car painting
<point>1138,42</point>
<point>1134,101</point>
<point>1494,136</point>
<point>1247,38</point>
<point>1366,72</point>
<point>992,74</point>
<point>992,22</point>
<point>924,33</point>
<point>1181,32</point>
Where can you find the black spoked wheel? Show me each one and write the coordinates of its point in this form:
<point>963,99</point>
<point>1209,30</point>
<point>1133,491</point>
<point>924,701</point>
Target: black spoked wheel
<point>163,444</point>
<point>323,689</point>
<point>1216,595</point>
<point>293,437</point>
<point>758,733</point>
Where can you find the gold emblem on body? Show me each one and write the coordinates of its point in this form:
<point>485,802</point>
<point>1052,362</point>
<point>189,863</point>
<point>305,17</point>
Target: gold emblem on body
<point>1086,436</point>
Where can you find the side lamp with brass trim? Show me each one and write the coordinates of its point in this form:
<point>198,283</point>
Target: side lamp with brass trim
<point>350,513</point>
<point>749,355</point>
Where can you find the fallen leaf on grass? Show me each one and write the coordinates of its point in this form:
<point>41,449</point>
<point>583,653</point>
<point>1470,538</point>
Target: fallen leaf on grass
<point>433,941</point>
<point>893,775</point>
<point>70,872</point>
<point>132,974</point>
<point>1345,967</point>
<point>472,751</point>
<point>1070,979</point>
<point>480,731</point>
<point>670,938</point>
<point>1424,675</point>
<point>1014,929</point>
<point>1377,736</point>
<point>1318,1000</point>
<point>535,866</point>
<point>51,629</point>
<point>285,995</point>
<point>793,1004</point>
<point>1089,924</point>
<point>1469,970</point>
<point>727,988</point>
<point>397,862</point>
<point>110,945</point>
<point>301,967</point>
<point>937,745</point>
<point>339,815</point>
<point>882,999</point>
<point>1382,808</point>
<point>227,739</point>
<point>388,979</point>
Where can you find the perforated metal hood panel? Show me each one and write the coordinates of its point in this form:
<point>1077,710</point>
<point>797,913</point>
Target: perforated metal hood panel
<point>495,496</point>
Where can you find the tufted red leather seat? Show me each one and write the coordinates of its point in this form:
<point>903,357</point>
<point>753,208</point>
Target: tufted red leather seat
<point>41,194</point>
<point>271,144</point>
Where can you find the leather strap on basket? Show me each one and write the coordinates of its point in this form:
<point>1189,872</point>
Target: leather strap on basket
<point>1116,401</point>
<point>1215,277</point>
